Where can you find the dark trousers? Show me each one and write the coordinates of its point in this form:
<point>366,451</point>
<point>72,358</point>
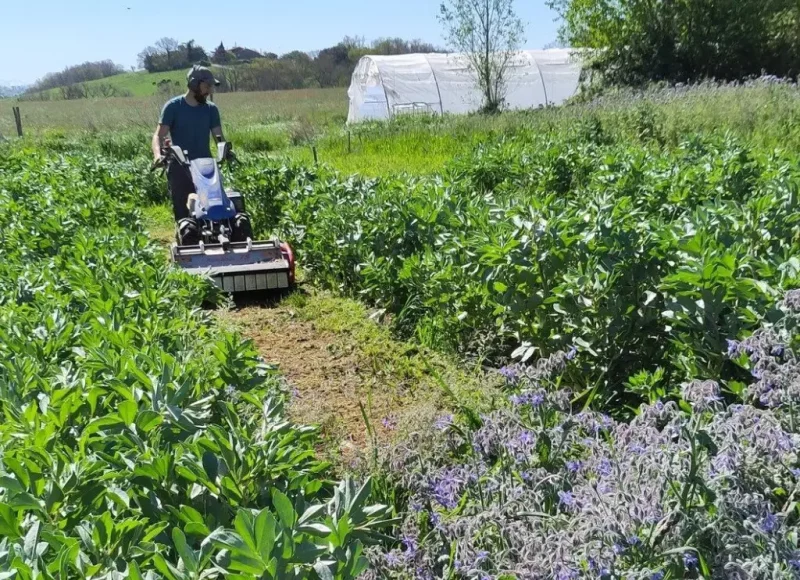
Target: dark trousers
<point>179,179</point>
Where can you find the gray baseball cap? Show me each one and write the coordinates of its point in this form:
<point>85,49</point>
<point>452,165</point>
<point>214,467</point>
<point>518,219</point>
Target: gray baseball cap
<point>200,74</point>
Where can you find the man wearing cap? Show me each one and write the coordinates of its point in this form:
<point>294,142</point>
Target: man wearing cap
<point>189,120</point>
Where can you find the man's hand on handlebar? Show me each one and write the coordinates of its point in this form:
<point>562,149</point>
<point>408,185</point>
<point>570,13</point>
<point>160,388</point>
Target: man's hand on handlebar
<point>158,162</point>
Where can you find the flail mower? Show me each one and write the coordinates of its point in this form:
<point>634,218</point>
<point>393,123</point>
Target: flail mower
<point>216,240</point>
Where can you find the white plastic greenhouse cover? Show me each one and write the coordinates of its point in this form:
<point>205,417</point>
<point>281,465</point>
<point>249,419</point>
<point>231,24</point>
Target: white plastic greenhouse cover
<point>385,86</point>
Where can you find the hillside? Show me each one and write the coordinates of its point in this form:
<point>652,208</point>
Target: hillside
<point>134,84</point>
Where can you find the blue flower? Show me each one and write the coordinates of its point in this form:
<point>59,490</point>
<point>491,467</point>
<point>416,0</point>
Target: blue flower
<point>770,523</point>
<point>778,350</point>
<point>634,541</point>
<point>733,348</point>
<point>446,490</point>
<point>411,546</point>
<point>795,564</point>
<point>566,498</point>
<point>509,373</point>
<point>566,574</point>
<point>574,466</point>
<point>443,422</point>
<point>392,559</point>
<point>605,468</point>
<point>657,576</point>
<point>690,561</point>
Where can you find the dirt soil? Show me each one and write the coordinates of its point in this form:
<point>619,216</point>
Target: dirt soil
<point>337,358</point>
<point>320,366</point>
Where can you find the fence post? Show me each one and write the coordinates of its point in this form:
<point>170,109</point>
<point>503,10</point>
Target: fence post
<point>18,120</point>
<point>349,143</point>
<point>314,150</point>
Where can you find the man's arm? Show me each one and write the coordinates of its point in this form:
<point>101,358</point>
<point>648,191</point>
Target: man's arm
<point>158,140</point>
<point>216,125</point>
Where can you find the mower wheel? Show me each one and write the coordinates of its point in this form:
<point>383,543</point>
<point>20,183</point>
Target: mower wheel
<point>242,229</point>
<point>188,233</point>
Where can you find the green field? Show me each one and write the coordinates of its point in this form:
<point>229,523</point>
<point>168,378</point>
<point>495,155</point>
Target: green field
<point>612,286</point>
<point>133,84</point>
<point>263,111</point>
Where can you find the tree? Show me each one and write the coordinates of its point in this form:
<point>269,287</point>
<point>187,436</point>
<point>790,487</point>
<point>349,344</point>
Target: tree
<point>488,32</point>
<point>220,56</point>
<point>168,46</point>
<point>633,42</point>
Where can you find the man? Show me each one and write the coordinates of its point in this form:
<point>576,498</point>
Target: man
<point>188,119</point>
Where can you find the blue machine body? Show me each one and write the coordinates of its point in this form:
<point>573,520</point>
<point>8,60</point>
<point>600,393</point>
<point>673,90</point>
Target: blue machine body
<point>212,202</point>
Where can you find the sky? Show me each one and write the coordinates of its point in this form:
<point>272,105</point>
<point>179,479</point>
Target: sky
<point>48,35</point>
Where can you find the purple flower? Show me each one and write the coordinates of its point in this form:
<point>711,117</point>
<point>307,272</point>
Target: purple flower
<point>637,449</point>
<point>446,490</point>
<point>795,564</point>
<point>770,523</point>
<point>526,438</point>
<point>410,544</point>
<point>389,423</point>
<point>509,373</point>
<point>392,559</point>
<point>618,549</point>
<point>566,498</point>
<point>657,576</point>
<point>574,466</point>
<point>443,422</point>
<point>690,561</point>
<point>701,394</point>
<point>566,574</point>
<point>634,541</point>
<point>533,399</point>
<point>571,353</point>
<point>435,520</point>
<point>733,348</point>
<point>778,350</point>
<point>604,469</point>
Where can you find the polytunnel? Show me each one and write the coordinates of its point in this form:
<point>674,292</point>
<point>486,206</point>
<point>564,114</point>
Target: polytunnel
<point>437,83</point>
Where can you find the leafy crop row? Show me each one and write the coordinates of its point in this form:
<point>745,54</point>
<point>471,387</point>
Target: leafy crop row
<point>138,440</point>
<point>644,259</point>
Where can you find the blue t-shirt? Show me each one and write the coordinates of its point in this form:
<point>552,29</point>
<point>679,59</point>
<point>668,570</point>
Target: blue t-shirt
<point>190,127</point>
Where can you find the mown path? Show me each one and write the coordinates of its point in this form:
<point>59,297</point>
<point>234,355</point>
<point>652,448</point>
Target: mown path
<point>337,358</point>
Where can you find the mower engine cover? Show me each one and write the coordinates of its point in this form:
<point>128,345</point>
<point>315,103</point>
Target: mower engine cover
<point>212,203</point>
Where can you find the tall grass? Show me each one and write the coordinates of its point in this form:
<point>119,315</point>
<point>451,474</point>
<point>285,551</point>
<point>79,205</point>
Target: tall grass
<point>762,113</point>
<point>320,107</point>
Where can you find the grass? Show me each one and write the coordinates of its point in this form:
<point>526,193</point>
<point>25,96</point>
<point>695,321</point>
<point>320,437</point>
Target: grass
<point>134,84</point>
<point>338,356</point>
<point>159,222</point>
<point>291,122</point>
<point>261,112</point>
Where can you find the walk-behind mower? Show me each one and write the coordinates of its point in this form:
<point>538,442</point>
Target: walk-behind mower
<point>216,240</point>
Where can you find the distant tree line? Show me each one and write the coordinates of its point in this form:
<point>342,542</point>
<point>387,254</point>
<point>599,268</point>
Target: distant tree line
<point>79,73</point>
<point>246,69</point>
<point>634,42</point>
<point>168,54</point>
<point>238,68</point>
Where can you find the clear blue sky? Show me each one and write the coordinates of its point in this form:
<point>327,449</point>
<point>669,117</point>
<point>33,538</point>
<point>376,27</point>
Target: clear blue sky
<point>48,35</point>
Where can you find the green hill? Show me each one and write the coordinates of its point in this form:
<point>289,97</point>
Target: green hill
<point>135,84</point>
